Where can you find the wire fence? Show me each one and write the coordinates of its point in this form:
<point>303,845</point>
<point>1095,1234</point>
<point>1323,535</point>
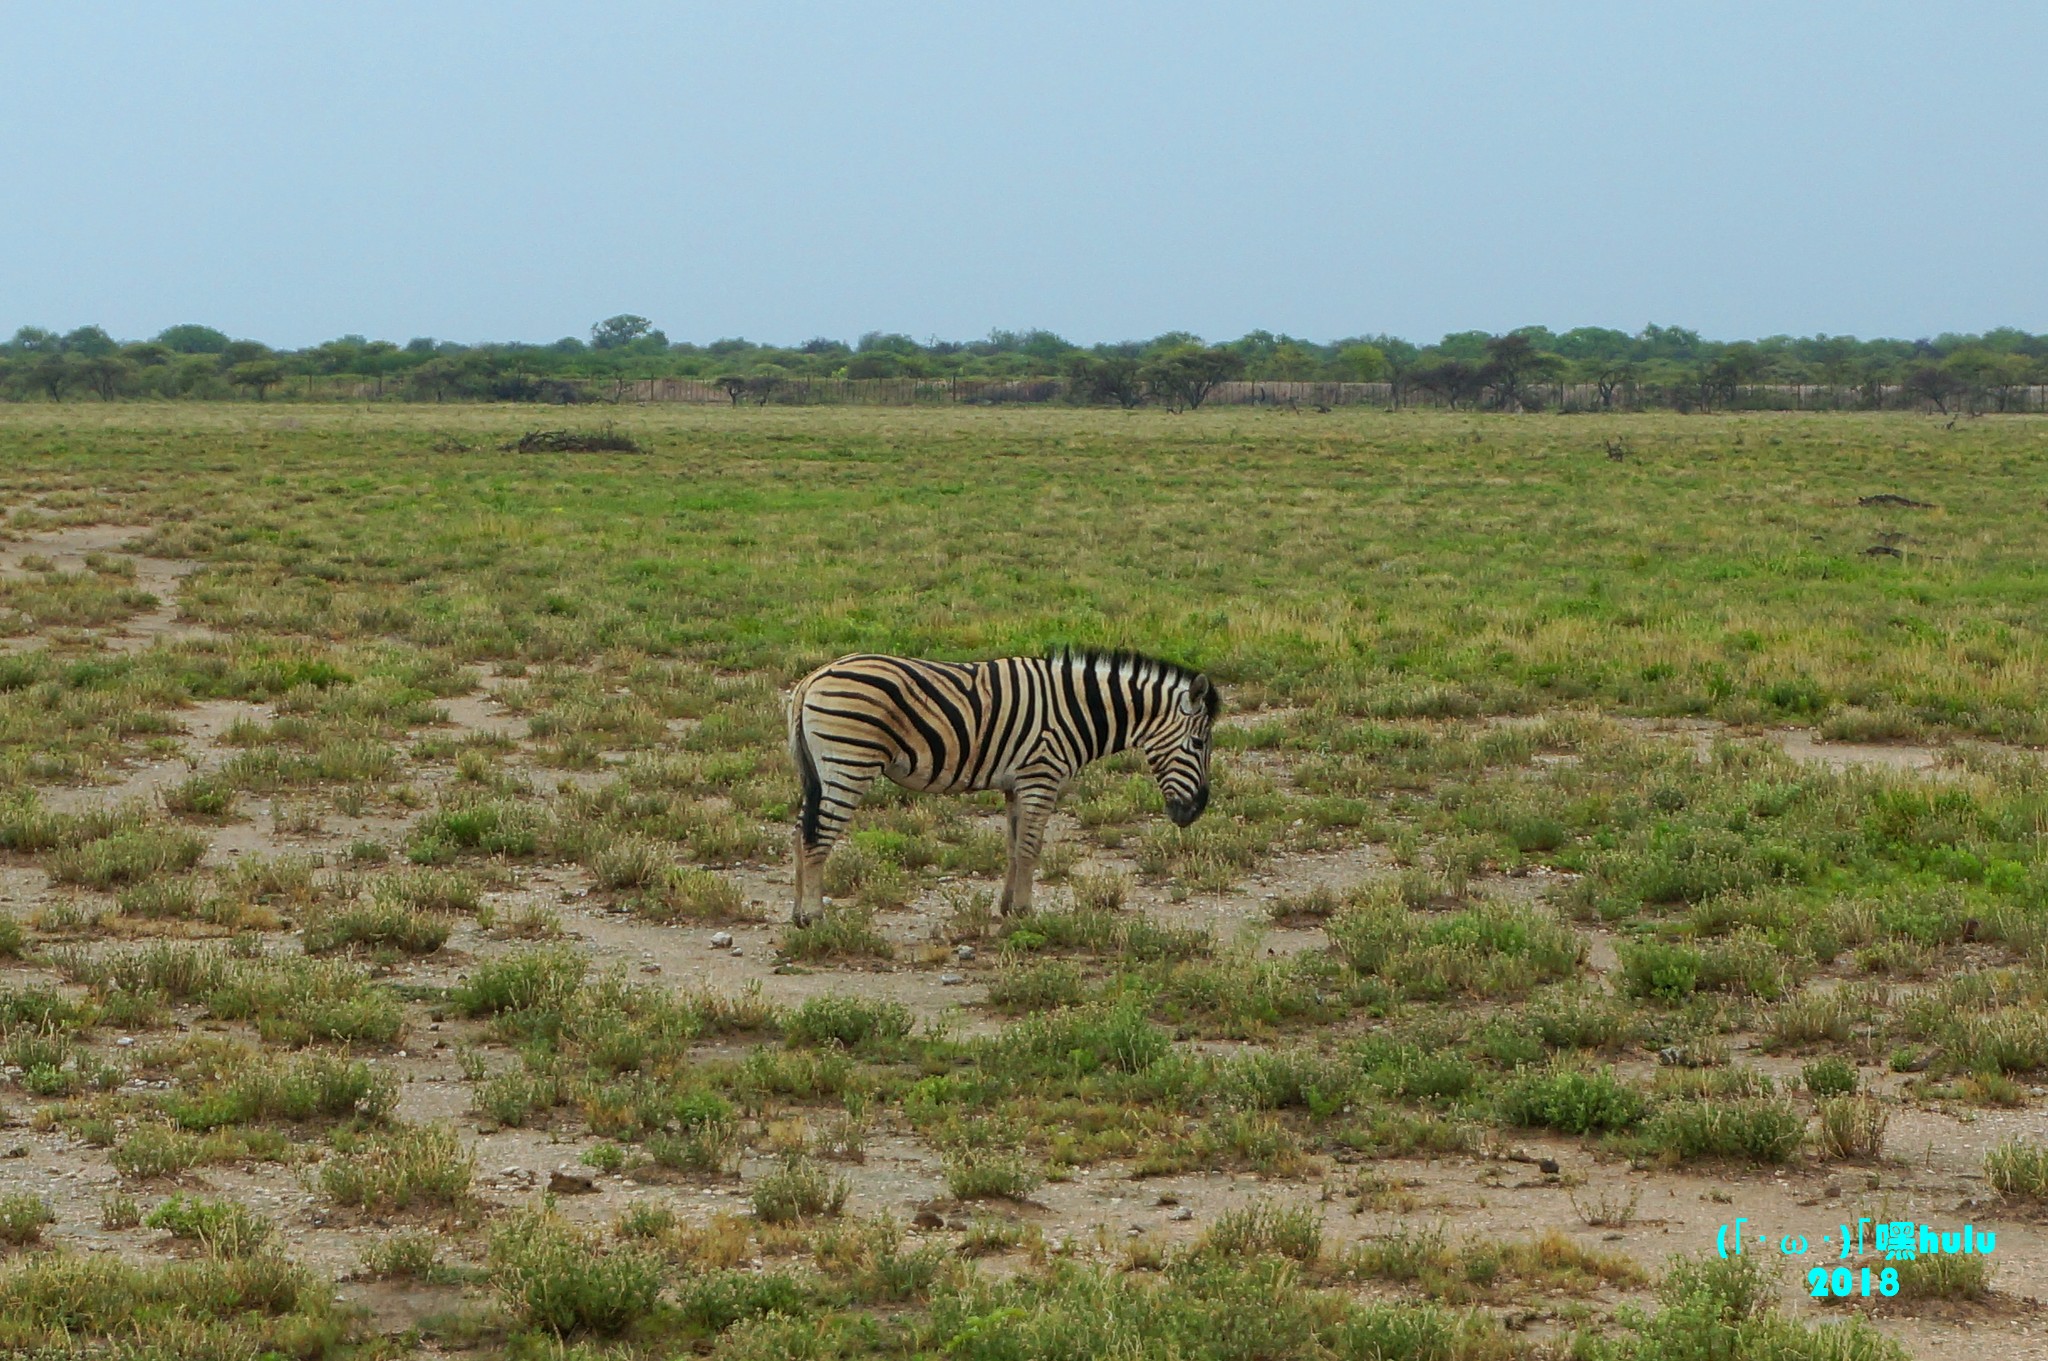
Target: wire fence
<point>1273,392</point>
<point>1684,396</point>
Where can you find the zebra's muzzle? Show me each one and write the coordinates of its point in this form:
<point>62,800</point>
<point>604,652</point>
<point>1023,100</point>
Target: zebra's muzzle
<point>1185,811</point>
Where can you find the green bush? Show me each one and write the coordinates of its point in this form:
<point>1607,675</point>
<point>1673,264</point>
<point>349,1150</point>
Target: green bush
<point>1294,1231</point>
<point>848,1021</point>
<point>1572,1101</point>
<point>1766,1130</point>
<point>1659,969</point>
<point>22,1218</point>
<point>519,982</point>
<point>126,857</point>
<point>376,925</point>
<point>1831,1076</point>
<point>219,1226</point>
<point>2018,1170</point>
<point>399,1169</point>
<point>1078,1041</point>
<point>561,1279</point>
<point>799,1189</point>
<point>979,1174</point>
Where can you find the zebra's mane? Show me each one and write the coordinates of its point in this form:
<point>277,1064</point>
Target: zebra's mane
<point>1122,658</point>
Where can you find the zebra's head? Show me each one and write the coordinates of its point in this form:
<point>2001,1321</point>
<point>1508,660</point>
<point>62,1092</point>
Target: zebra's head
<point>1177,747</point>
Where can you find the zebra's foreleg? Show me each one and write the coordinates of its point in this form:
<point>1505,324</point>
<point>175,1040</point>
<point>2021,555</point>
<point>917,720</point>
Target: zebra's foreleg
<point>1030,810</point>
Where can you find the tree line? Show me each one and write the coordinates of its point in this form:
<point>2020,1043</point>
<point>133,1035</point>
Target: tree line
<point>1659,365</point>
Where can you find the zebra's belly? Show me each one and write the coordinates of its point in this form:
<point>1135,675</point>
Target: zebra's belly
<point>944,782</point>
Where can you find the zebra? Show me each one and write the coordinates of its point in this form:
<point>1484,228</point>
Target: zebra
<point>1024,725</point>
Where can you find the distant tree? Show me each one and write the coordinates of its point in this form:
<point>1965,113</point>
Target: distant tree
<point>619,332</point>
<point>1183,378</point>
<point>148,354</point>
<point>107,374</point>
<point>379,359</point>
<point>437,376</point>
<point>1591,344</point>
<point>258,375</point>
<point>1469,346</point>
<point>1290,362</point>
<point>1990,377</point>
<point>53,372</point>
<point>1401,358</point>
<point>876,364</point>
<point>1362,363</point>
<point>1453,380</point>
<point>341,355</point>
<point>1611,377</point>
<point>91,342</point>
<point>1105,378</point>
<point>193,339</point>
<point>1668,342</point>
<point>756,387</point>
<point>36,340</point>
<point>243,352</point>
<point>1835,359</point>
<point>1512,363</point>
<point>1935,383</point>
<point>887,342</point>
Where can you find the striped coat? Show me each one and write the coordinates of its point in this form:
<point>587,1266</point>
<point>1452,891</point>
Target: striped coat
<point>1023,725</point>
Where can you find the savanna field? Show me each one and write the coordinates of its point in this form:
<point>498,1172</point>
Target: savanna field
<point>1621,825</point>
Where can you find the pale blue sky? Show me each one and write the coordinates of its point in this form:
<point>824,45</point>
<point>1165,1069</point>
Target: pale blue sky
<point>292,172</point>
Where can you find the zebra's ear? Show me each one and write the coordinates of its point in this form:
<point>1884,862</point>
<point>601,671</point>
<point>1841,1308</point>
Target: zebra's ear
<point>1197,696</point>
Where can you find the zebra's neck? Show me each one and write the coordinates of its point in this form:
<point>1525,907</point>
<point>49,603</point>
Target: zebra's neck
<point>1111,700</point>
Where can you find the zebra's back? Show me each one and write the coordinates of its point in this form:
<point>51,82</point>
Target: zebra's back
<point>949,727</point>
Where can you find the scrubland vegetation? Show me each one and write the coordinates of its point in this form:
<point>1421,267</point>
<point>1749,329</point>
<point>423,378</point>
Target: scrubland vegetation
<point>1517,921</point>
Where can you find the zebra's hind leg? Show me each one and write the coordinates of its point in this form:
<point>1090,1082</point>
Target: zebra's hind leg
<point>808,906</point>
<point>842,785</point>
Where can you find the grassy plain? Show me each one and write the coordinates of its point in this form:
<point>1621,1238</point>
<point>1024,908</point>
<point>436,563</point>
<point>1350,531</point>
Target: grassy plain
<point>1621,798</point>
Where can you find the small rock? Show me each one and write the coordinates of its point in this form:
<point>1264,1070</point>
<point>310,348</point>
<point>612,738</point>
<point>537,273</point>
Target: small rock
<point>925,1219</point>
<point>951,980</point>
<point>1548,1165</point>
<point>721,940</point>
<point>1167,1200</point>
<point>737,952</point>
<point>650,968</point>
<point>571,1184</point>
<point>1182,1214</point>
<point>964,953</point>
<point>125,1041</point>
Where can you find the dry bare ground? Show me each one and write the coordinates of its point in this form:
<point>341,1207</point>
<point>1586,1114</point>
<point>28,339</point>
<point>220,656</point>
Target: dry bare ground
<point>1483,1182</point>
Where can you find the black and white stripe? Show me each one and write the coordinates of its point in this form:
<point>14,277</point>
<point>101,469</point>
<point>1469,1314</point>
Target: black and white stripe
<point>1023,725</point>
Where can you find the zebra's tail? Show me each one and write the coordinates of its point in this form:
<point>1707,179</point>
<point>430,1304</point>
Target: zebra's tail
<point>807,771</point>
